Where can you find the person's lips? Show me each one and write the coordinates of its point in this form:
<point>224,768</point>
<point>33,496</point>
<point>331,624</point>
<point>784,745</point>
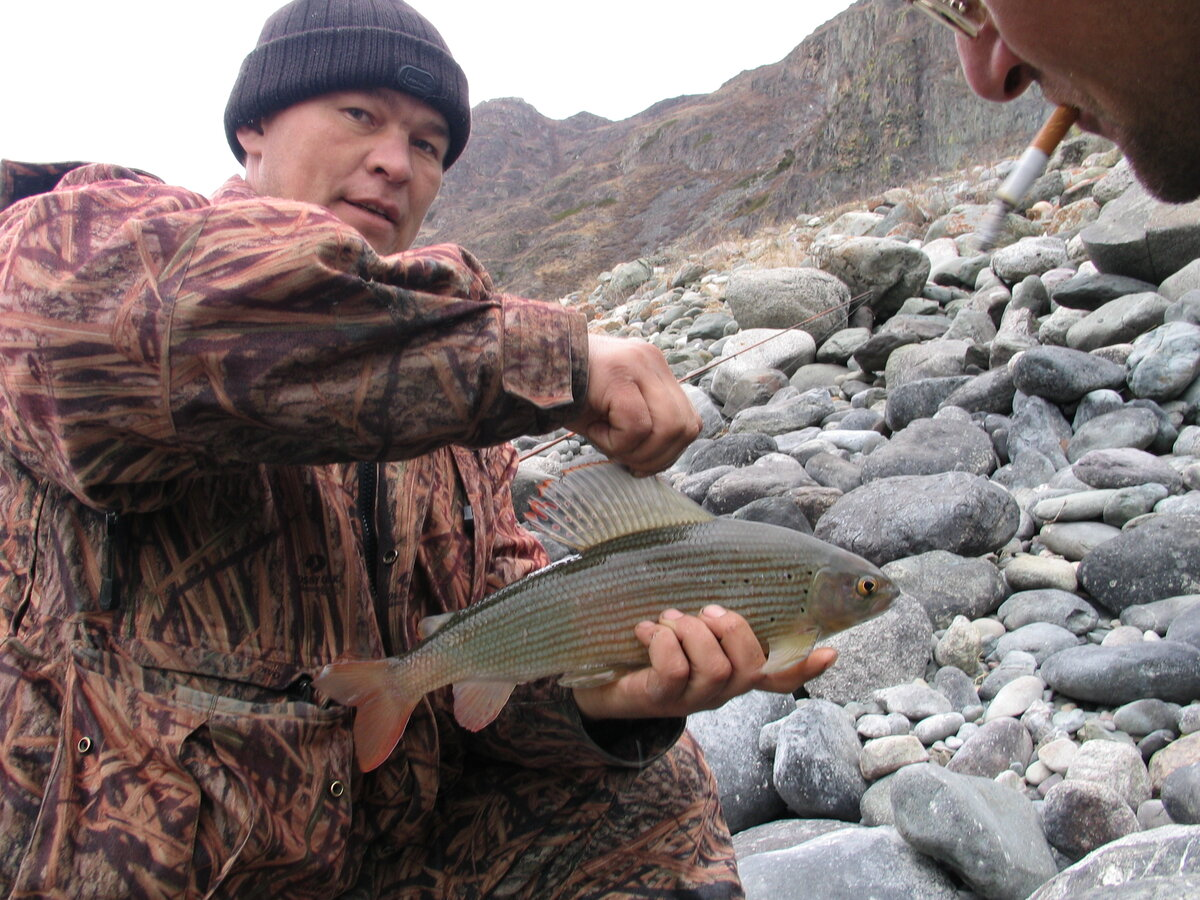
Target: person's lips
<point>376,207</point>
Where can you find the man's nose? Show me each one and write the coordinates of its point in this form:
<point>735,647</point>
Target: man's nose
<point>391,156</point>
<point>993,71</point>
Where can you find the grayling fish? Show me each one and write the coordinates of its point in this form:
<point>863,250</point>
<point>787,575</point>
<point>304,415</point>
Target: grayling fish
<point>643,548</point>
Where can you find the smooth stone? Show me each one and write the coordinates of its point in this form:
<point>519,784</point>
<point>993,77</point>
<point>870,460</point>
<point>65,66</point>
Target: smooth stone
<point>1115,675</point>
<point>876,805</point>
<point>888,271</point>
<point>1090,291</point>
<point>959,647</point>
<point>1057,755</point>
<point>1141,237</point>
<point>1075,507</point>
<point>1029,256</point>
<point>1128,503</point>
<point>937,728</point>
<point>873,726</point>
<point>1158,559</point>
<point>781,297</point>
<point>990,392</point>
<point>782,834</point>
<point>1141,717</point>
<point>956,686</point>
<point>1039,639</point>
<point>1189,719</point>
<point>766,477</point>
<point>1075,540</point>
<point>1028,572</point>
<point>1131,426</point>
<point>840,346</point>
<point>1180,753</point>
<point>893,518</point>
<point>1152,814</point>
<point>1079,816</point>
<point>1063,375</point>
<point>834,861</point>
<point>1158,615</point>
<point>861,669</point>
<point>948,585</point>
<point>995,747</point>
<point>931,446</point>
<point>920,399</point>
<point>885,755</point>
<point>1186,628</point>
<point>1056,607</point>
<point>731,450</point>
<point>753,387</point>
<point>786,352</point>
<point>1181,795</point>
<point>1118,321</point>
<point>743,773</point>
<point>1037,425</point>
<point>987,834</point>
<point>1164,361</point>
<point>1014,664</point>
<point>816,767</point>
<point>810,408</point>
<point>914,701</point>
<point>1015,697</point>
<point>1117,766</point>
<point>1165,861</point>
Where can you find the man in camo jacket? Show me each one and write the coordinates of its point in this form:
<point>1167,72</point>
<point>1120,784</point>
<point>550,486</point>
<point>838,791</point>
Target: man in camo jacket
<point>248,436</point>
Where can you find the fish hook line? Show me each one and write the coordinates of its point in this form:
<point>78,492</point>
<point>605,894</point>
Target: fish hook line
<point>851,306</point>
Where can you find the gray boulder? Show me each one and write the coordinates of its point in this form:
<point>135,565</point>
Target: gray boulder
<point>987,833</point>
<point>1166,859</point>
<point>1159,558</point>
<point>1165,670</point>
<point>816,762</point>
<point>892,518</point>
<point>779,298</point>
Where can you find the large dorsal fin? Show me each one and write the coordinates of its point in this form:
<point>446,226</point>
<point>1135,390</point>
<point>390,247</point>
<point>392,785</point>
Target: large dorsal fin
<point>597,502</point>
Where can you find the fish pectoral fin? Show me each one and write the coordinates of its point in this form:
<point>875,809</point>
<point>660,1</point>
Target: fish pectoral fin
<point>588,678</point>
<point>477,703</point>
<point>787,650</point>
<point>430,624</point>
<point>381,713</point>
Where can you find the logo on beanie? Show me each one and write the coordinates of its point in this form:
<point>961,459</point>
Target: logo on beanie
<point>416,81</point>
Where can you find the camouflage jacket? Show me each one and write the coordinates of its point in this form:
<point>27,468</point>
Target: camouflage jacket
<point>234,446</point>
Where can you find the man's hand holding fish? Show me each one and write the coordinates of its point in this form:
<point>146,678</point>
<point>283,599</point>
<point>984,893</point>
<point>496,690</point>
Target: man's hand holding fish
<point>696,663</point>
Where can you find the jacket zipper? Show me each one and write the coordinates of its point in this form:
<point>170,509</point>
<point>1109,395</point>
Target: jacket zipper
<point>368,483</point>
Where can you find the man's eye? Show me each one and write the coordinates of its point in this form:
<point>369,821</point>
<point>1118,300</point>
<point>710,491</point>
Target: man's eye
<point>428,147</point>
<point>357,114</point>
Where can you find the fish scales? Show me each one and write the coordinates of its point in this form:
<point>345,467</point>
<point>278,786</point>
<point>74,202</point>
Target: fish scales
<point>643,548</point>
<point>582,611</point>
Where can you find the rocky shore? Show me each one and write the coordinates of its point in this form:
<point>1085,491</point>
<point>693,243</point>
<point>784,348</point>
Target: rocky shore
<point>1015,438</point>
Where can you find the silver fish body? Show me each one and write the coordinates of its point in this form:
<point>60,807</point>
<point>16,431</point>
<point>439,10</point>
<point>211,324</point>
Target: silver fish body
<point>576,618</point>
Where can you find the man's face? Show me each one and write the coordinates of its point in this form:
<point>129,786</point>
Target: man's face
<point>1129,68</point>
<point>373,158</point>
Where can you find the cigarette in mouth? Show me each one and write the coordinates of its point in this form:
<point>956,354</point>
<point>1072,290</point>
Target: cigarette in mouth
<point>1029,169</point>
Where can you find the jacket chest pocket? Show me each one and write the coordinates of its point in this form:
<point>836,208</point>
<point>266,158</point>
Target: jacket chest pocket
<point>159,790</point>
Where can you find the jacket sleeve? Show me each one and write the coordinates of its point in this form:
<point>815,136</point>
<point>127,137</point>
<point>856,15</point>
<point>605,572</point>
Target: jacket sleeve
<point>541,726</point>
<point>151,335</point>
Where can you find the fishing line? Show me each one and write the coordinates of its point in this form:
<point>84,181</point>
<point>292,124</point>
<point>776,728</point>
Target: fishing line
<point>851,306</point>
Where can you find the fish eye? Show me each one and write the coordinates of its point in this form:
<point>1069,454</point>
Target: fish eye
<point>866,586</point>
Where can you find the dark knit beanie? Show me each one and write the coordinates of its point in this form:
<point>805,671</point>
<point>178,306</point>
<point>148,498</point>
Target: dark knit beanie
<point>313,47</point>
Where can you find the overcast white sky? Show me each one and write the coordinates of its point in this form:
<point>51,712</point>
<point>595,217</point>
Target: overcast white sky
<point>144,82</point>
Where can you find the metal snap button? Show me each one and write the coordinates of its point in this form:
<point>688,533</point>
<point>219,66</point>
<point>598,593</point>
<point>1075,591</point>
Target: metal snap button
<point>390,557</point>
<point>336,789</point>
<point>84,745</point>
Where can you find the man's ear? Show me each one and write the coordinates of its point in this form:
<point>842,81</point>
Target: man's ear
<point>251,137</point>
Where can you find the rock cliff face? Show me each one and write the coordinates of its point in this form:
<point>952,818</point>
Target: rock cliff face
<point>872,98</point>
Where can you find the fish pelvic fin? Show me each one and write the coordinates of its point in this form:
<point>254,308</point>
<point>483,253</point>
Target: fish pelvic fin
<point>381,715</point>
<point>787,650</point>
<point>477,703</point>
<point>432,624</point>
<point>598,502</point>
<point>592,677</point>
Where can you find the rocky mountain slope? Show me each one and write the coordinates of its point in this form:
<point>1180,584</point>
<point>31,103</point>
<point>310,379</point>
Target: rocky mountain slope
<point>871,99</point>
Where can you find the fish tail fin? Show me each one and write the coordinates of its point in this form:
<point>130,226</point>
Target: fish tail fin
<point>381,713</point>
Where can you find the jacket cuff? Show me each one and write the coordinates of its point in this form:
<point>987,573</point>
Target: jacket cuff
<point>545,358</point>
